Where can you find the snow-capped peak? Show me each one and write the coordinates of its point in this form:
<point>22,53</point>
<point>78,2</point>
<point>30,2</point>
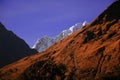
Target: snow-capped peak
<point>84,23</point>
<point>45,42</point>
<point>77,26</point>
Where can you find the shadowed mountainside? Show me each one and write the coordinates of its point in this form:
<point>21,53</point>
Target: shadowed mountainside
<point>91,53</point>
<point>12,47</point>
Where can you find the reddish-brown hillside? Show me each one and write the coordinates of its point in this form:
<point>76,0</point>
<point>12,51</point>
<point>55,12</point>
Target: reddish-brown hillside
<point>91,53</point>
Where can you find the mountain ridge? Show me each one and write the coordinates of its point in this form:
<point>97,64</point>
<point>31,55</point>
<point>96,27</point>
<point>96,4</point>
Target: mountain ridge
<point>45,42</point>
<point>12,48</point>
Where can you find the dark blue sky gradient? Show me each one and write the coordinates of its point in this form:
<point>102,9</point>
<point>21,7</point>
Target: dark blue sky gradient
<point>33,19</point>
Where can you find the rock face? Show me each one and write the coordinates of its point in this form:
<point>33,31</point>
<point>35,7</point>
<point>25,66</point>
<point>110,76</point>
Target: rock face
<point>12,47</point>
<point>91,53</point>
<point>45,42</point>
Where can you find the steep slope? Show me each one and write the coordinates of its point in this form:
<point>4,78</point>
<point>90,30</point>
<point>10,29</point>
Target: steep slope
<point>12,47</point>
<point>45,42</point>
<point>91,53</point>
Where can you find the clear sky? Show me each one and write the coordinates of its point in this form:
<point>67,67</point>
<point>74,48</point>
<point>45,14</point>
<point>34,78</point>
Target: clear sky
<point>33,19</point>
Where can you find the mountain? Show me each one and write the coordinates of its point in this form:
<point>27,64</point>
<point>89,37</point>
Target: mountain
<point>12,47</point>
<point>45,42</point>
<point>91,53</point>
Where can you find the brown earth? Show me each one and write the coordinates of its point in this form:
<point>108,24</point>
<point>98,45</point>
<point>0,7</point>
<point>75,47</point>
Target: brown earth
<point>91,53</point>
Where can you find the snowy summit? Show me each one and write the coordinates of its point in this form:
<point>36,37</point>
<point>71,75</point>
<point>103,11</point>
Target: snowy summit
<point>45,42</point>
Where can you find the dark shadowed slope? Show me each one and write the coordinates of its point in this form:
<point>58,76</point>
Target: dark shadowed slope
<point>91,53</point>
<point>12,47</point>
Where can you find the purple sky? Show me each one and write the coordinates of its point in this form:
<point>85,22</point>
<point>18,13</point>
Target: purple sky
<point>33,19</point>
